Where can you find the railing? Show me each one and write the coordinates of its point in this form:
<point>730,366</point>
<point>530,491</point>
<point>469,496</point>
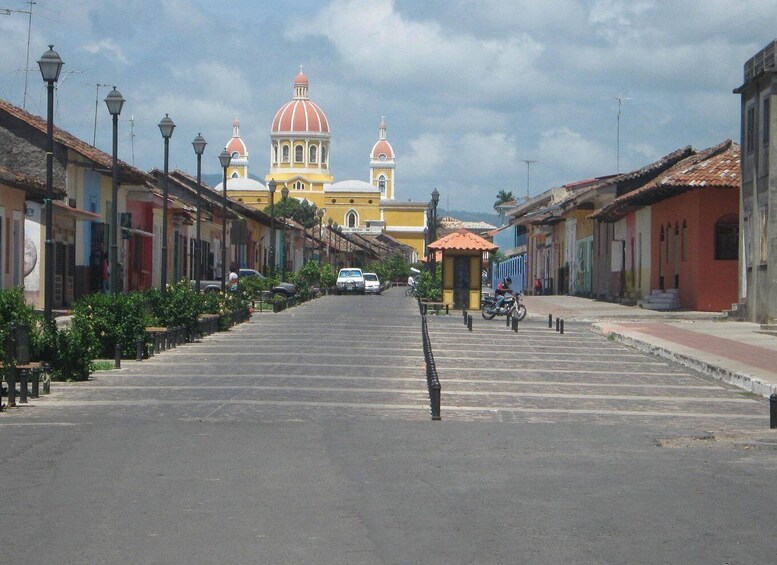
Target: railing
<point>432,380</point>
<point>515,268</point>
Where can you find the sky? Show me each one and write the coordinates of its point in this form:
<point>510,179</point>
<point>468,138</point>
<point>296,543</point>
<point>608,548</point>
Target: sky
<point>470,89</point>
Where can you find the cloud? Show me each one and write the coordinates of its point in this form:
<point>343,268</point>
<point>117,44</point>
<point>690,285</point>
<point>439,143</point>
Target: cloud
<point>107,48</point>
<point>575,155</point>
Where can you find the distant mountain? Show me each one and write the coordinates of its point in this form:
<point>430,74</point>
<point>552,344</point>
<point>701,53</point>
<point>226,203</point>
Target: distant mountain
<point>470,216</point>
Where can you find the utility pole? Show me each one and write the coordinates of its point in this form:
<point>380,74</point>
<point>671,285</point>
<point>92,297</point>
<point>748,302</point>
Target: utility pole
<point>619,100</point>
<point>529,163</point>
<point>132,136</point>
<point>96,102</point>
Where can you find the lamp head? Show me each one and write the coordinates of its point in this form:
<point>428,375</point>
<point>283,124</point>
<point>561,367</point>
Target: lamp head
<point>225,158</point>
<point>271,186</point>
<point>285,192</point>
<point>166,126</point>
<point>114,101</point>
<point>435,197</point>
<point>50,64</point>
<point>199,144</point>
<point>320,213</point>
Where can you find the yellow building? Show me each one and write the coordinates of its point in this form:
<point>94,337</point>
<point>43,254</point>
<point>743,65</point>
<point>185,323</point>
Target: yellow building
<point>299,159</point>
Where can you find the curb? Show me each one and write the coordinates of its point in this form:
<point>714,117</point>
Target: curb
<point>740,379</point>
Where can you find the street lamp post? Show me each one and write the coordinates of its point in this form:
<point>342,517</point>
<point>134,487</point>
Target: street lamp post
<point>199,144</point>
<point>284,196</point>
<point>271,186</point>
<point>329,246</point>
<point>224,159</point>
<point>166,127</point>
<point>320,214</point>
<point>50,65</point>
<point>435,201</point>
<point>336,227</point>
<point>313,210</point>
<point>115,102</point>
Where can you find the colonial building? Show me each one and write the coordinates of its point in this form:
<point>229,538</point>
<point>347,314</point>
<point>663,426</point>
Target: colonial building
<point>758,241</point>
<point>300,144</point>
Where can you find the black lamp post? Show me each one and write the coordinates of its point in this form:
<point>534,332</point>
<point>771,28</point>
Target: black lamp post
<point>320,214</point>
<point>435,201</point>
<point>329,246</point>
<point>284,196</point>
<point>50,65</point>
<point>271,186</point>
<point>166,127</point>
<point>313,210</point>
<point>199,144</point>
<point>336,227</point>
<point>115,102</point>
<point>224,159</point>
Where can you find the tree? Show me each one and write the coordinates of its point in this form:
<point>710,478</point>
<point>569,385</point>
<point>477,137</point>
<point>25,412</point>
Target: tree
<point>299,211</point>
<point>502,197</point>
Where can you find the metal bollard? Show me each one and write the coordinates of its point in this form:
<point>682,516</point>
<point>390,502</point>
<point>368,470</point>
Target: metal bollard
<point>509,320</point>
<point>139,350</point>
<point>465,317</point>
<point>515,325</point>
<point>117,356</point>
<point>23,386</point>
<point>773,411</point>
<point>550,320</point>
<point>469,322</point>
<point>35,383</point>
<point>11,380</point>
<point>562,326</point>
<point>434,396</point>
<point>558,325</point>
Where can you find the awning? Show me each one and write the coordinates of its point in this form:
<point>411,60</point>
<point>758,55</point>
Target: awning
<point>75,213</point>
<point>135,231</point>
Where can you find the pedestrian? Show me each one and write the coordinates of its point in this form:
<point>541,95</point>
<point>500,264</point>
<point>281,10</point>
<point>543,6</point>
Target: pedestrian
<point>537,287</point>
<point>232,281</point>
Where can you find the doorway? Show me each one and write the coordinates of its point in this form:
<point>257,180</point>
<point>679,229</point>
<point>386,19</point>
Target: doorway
<point>461,282</point>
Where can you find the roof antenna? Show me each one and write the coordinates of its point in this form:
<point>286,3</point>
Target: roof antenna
<point>619,100</point>
<point>529,163</point>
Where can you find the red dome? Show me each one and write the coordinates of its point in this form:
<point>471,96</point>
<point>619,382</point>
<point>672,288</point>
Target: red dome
<point>236,145</point>
<point>382,147</point>
<point>300,116</point>
<point>301,79</point>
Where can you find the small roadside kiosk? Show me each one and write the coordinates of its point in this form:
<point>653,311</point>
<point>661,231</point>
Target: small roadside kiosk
<point>462,264</point>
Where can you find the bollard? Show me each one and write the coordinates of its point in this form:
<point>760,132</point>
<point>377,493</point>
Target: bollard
<point>465,317</point>
<point>558,325</point>
<point>550,320</point>
<point>562,326</point>
<point>515,325</point>
<point>773,411</point>
<point>117,356</point>
<point>509,320</point>
<point>434,395</point>
<point>469,322</point>
<point>11,380</point>
<point>47,381</point>
<point>23,386</point>
<point>36,382</point>
<point>139,350</point>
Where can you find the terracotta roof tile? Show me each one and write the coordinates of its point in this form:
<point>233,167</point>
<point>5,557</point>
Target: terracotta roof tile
<point>463,240</point>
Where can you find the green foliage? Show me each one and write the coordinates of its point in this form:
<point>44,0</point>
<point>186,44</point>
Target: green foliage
<point>14,310</point>
<point>310,273</point>
<point>328,276</point>
<point>297,210</point>
<point>116,318</point>
<point>180,306</point>
<point>428,288</point>
<point>77,347</point>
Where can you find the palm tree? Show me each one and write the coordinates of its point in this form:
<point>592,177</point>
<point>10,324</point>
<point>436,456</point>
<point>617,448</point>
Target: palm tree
<point>502,197</point>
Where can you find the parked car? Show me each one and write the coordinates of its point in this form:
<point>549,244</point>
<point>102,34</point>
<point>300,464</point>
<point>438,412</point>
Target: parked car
<point>284,288</point>
<point>371,283</point>
<point>350,280</point>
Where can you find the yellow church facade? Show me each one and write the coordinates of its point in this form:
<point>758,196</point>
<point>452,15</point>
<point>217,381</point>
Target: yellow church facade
<point>299,160</point>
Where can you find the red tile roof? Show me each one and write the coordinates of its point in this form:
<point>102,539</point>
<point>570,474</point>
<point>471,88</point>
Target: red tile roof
<point>463,240</point>
<point>33,185</point>
<point>127,173</point>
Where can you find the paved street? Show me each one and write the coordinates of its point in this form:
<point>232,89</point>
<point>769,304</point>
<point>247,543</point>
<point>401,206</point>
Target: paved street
<point>305,437</point>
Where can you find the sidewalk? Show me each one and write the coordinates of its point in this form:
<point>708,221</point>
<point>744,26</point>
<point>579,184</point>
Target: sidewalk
<point>734,352</point>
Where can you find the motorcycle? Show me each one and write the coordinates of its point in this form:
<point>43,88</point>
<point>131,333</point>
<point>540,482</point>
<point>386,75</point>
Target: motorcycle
<point>510,307</point>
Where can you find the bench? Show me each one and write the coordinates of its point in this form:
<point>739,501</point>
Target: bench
<point>436,306</point>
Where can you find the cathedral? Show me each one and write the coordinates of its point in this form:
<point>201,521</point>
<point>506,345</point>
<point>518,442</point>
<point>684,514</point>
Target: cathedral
<point>299,159</point>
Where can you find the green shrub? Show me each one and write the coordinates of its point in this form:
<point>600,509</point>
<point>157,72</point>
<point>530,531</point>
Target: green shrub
<point>310,273</point>
<point>328,276</point>
<point>116,318</point>
<point>77,347</point>
<point>428,288</point>
<point>180,306</point>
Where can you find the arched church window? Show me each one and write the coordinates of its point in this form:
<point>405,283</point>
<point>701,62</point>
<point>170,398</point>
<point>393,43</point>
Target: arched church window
<point>382,184</point>
<point>234,175</point>
<point>299,185</point>
<point>285,153</point>
<point>275,153</point>
<point>313,154</point>
<point>235,155</point>
<point>323,155</point>
<point>298,153</point>
<point>351,219</point>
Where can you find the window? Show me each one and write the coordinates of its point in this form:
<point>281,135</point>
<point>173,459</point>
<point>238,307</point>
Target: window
<point>313,154</point>
<point>298,153</point>
<point>727,238</point>
<point>351,219</point>
<point>275,153</point>
<point>234,175</point>
<point>765,122</point>
<point>323,155</point>
<point>382,184</point>
<point>285,153</point>
<point>235,155</point>
<point>750,132</point>
<point>299,185</point>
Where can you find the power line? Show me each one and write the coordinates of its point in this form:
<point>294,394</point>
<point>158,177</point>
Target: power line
<point>8,12</point>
